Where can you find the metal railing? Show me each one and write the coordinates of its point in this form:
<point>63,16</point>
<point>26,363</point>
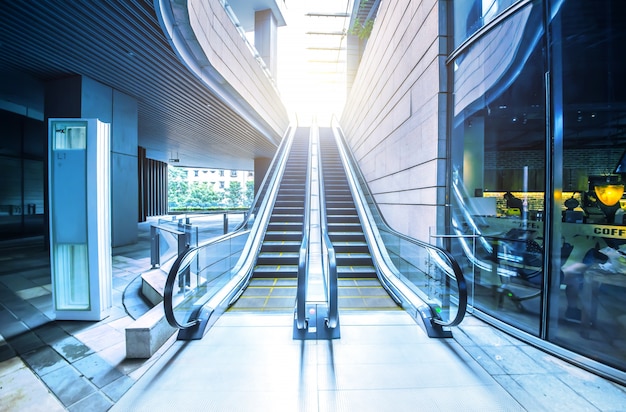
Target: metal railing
<point>168,239</point>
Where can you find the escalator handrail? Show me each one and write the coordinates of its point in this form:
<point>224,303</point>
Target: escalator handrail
<point>303,257</point>
<point>451,266</point>
<point>243,268</point>
<point>183,260</point>
<point>330,266</point>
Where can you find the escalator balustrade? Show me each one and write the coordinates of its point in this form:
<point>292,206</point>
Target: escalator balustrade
<point>273,283</point>
<point>359,287</point>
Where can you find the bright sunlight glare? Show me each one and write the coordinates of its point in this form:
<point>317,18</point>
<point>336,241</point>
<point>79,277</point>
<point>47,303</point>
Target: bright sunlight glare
<point>312,59</point>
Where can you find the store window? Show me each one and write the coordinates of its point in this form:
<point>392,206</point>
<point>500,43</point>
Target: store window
<point>542,233</point>
<point>589,100</point>
<point>499,168</point>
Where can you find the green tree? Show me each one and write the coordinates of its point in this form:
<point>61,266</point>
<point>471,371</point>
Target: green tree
<point>177,187</point>
<point>234,194</point>
<point>249,195</point>
<point>202,194</point>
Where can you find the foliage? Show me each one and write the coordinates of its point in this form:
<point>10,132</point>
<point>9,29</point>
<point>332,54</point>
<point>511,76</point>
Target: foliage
<point>249,194</point>
<point>233,194</point>
<point>362,31</point>
<point>185,195</point>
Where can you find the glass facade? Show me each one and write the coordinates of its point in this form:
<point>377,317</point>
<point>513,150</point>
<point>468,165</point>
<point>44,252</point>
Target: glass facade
<point>538,139</point>
<point>22,182</point>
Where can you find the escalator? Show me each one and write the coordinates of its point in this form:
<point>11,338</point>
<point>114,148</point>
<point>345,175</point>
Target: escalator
<point>272,286</point>
<point>314,243</point>
<point>359,288</point>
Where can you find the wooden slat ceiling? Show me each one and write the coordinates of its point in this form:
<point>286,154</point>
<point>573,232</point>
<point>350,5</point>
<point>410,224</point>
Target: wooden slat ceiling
<point>120,44</point>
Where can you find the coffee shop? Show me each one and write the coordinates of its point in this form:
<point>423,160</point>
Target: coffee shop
<point>538,166</point>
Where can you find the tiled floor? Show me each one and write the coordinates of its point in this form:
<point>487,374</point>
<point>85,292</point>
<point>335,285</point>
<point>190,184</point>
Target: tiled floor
<point>250,361</point>
<point>382,362</point>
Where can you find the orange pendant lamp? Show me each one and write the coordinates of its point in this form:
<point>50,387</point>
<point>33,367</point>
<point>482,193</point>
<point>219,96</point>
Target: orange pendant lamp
<point>609,193</point>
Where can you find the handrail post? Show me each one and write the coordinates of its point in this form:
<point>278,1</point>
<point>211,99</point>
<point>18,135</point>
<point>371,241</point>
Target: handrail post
<point>184,242</point>
<point>154,247</point>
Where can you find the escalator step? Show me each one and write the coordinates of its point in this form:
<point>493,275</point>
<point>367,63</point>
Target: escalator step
<point>275,271</point>
<point>351,271</point>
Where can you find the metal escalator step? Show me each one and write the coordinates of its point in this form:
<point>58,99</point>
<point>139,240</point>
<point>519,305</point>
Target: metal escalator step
<point>354,259</point>
<point>284,226</point>
<point>351,271</point>
<point>340,210</point>
<point>281,243</point>
<point>275,271</point>
<point>278,260</point>
<point>282,235</point>
<point>364,294</point>
<point>345,227</point>
<point>267,295</point>
<point>346,236</point>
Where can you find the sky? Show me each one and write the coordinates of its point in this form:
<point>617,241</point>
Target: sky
<point>311,71</point>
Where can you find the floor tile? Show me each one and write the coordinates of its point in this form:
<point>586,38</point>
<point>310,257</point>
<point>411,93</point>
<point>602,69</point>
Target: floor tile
<point>44,360</point>
<point>21,390</point>
<point>97,370</point>
<point>68,385</point>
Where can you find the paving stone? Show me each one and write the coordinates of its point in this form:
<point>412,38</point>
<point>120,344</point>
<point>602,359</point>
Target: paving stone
<point>96,369</point>
<point>21,390</point>
<point>72,349</point>
<point>51,333</point>
<point>6,352</point>
<point>44,360</point>
<point>94,402</point>
<point>25,342</point>
<point>68,385</point>
<point>116,389</point>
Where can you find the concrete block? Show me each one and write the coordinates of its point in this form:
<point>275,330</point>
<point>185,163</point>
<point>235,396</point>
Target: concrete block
<point>153,285</point>
<point>147,334</point>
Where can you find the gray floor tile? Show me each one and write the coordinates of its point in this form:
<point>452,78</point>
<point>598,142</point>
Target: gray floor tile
<point>44,360</point>
<point>68,385</point>
<point>97,370</point>
<point>25,342</point>
<point>116,389</point>
<point>6,351</point>
<point>92,403</point>
<point>51,333</point>
<point>71,349</point>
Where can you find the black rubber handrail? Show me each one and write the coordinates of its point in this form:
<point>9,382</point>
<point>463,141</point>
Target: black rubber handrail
<point>183,261</point>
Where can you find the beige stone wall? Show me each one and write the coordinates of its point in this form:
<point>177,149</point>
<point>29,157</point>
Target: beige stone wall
<point>221,54</point>
<point>394,118</point>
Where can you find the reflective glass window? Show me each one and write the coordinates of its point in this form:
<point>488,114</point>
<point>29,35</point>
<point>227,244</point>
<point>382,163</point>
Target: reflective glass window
<point>472,15</point>
<point>498,163</point>
<point>589,99</point>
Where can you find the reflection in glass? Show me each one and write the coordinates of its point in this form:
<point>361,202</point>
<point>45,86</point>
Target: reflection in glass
<point>589,100</point>
<point>501,205</point>
<point>498,161</point>
<point>72,283</point>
